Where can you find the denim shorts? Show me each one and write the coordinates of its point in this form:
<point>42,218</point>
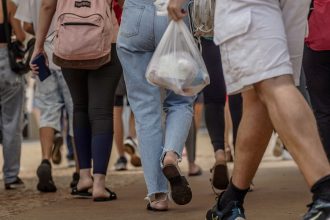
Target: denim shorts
<point>52,96</point>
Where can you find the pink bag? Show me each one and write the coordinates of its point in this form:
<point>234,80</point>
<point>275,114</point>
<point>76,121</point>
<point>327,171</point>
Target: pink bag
<point>83,33</point>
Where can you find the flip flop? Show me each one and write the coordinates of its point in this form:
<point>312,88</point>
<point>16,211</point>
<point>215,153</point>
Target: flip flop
<point>180,191</point>
<point>112,196</point>
<point>84,193</point>
<point>154,209</point>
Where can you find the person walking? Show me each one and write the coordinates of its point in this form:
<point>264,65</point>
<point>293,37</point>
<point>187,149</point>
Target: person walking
<point>160,146</point>
<point>11,99</point>
<point>92,84</point>
<point>52,95</point>
<point>262,56</point>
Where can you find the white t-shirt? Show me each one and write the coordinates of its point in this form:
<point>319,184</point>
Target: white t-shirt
<point>29,13</point>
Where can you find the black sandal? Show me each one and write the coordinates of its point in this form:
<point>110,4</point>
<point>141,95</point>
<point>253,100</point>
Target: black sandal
<point>84,193</point>
<point>112,196</point>
<point>180,191</point>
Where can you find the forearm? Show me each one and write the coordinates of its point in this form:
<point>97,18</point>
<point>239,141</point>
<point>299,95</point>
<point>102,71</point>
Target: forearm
<point>47,12</point>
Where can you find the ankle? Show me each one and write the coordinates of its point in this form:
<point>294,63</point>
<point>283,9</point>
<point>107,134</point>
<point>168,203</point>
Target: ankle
<point>170,158</point>
<point>321,189</point>
<point>99,181</point>
<point>220,156</point>
<point>233,193</point>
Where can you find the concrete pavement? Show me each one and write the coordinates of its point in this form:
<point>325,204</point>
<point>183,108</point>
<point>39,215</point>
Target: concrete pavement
<point>280,193</point>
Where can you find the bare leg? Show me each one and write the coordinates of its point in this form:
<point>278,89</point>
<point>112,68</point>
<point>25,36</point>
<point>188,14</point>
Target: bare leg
<point>85,181</point>
<point>296,125</point>
<point>132,131</point>
<point>119,130</point>
<point>47,142</point>
<point>198,109</point>
<point>253,136</point>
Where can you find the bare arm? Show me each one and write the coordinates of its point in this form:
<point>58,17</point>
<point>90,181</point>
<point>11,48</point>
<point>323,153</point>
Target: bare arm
<point>28,27</point>
<point>47,11</point>
<point>16,24</point>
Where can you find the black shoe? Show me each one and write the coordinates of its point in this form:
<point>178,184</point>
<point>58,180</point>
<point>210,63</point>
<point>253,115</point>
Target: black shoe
<point>44,173</point>
<point>75,180</point>
<point>56,153</point>
<point>121,164</point>
<point>17,184</point>
<point>233,211</point>
<point>180,191</point>
<point>318,210</point>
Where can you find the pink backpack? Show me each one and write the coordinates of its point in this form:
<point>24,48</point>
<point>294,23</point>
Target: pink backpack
<point>83,33</point>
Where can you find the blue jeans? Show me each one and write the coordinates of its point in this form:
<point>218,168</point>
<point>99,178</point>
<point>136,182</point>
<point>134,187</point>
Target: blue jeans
<point>139,34</point>
<point>11,117</point>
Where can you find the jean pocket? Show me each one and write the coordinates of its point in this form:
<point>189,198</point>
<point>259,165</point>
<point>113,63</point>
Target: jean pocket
<point>131,20</point>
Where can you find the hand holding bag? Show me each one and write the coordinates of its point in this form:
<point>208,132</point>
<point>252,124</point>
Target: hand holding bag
<point>177,63</point>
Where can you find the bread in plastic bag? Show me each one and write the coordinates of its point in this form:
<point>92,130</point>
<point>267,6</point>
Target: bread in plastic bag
<point>177,64</point>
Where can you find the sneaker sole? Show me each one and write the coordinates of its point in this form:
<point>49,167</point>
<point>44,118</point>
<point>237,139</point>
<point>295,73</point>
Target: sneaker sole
<point>220,178</point>
<point>45,177</point>
<point>180,191</point>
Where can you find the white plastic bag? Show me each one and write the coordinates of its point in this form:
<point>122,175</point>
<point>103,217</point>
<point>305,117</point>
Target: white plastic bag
<point>177,63</point>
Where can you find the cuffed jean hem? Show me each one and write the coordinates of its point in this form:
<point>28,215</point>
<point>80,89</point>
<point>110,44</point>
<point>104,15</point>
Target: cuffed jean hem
<point>164,153</point>
<point>152,195</point>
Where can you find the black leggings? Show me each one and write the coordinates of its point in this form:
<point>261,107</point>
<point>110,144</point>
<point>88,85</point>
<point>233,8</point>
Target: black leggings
<point>236,108</point>
<point>214,95</point>
<point>317,70</point>
<point>93,94</point>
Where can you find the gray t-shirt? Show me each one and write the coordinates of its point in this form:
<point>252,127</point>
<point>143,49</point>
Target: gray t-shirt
<point>29,13</point>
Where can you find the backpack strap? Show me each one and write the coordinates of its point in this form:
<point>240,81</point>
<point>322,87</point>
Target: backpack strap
<point>6,22</point>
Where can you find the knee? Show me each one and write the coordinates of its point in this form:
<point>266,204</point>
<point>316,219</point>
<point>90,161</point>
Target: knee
<point>270,90</point>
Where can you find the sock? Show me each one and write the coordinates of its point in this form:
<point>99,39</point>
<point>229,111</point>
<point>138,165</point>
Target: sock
<point>321,189</point>
<point>232,194</point>
<point>101,150</point>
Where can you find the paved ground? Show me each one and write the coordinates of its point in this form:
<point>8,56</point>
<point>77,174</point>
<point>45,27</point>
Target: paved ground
<point>280,193</point>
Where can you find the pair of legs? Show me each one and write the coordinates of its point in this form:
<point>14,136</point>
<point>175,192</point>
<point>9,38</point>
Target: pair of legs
<point>52,96</point>
<point>128,144</point>
<point>263,112</point>
<point>11,116</point>
<point>161,139</point>
<point>92,94</point>
<point>259,59</point>
<point>317,70</point>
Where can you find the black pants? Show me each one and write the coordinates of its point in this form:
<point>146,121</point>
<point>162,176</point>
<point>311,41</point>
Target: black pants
<point>317,70</point>
<point>214,95</point>
<point>93,93</point>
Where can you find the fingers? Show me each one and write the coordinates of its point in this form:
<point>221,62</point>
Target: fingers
<point>34,69</point>
<point>175,11</point>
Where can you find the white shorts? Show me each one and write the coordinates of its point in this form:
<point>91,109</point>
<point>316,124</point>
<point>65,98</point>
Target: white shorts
<point>260,39</point>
